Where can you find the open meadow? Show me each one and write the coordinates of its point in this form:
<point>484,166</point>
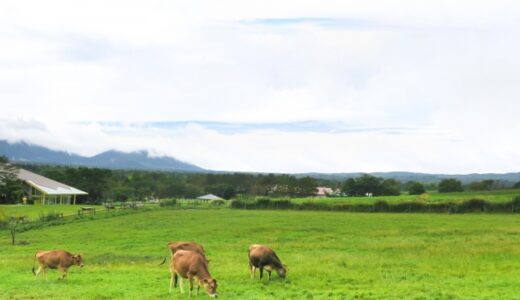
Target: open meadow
<point>330,255</point>
<point>493,196</point>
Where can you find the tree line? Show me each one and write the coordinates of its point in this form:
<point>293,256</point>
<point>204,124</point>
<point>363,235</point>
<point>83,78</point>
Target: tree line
<point>126,185</point>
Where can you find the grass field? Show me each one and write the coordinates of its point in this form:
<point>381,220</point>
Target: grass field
<point>330,255</point>
<point>33,212</point>
<point>431,197</point>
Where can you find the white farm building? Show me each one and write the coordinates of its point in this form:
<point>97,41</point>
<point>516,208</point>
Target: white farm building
<point>42,190</point>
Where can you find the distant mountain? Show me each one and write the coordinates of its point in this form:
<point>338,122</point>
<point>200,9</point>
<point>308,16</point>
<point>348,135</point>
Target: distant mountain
<point>25,152</point>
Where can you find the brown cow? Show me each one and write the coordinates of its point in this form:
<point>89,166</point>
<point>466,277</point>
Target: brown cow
<point>192,265</point>
<point>264,257</point>
<point>56,259</point>
<point>190,246</point>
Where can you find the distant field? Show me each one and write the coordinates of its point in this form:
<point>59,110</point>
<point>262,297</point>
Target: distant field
<point>432,197</point>
<point>33,212</point>
<point>330,255</point>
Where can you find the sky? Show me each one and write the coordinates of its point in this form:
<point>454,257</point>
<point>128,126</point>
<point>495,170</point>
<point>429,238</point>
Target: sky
<point>268,86</point>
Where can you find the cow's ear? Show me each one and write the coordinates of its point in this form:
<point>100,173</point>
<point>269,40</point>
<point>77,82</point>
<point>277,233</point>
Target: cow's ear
<point>214,281</point>
<point>205,281</point>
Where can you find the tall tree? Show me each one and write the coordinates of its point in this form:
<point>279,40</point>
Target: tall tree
<point>450,185</point>
<point>10,186</point>
<point>415,188</point>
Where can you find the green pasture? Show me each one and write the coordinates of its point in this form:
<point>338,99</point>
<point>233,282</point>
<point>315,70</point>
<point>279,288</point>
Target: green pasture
<point>33,212</point>
<point>430,197</point>
<point>330,255</point>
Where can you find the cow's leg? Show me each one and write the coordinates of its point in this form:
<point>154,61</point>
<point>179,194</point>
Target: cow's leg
<point>252,270</point>
<point>198,288</point>
<point>261,272</point>
<point>63,272</point>
<point>181,284</point>
<point>171,282</point>
<point>190,278</point>
<point>40,268</point>
<point>175,278</point>
<point>268,275</point>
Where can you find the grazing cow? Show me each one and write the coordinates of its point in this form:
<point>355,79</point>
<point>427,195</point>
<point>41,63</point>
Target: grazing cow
<point>192,265</point>
<point>189,246</point>
<point>56,259</point>
<point>264,257</point>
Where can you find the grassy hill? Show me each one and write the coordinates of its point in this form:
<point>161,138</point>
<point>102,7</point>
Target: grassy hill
<point>330,255</point>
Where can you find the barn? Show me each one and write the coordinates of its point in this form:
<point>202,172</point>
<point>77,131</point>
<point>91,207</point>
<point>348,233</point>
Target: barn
<point>38,189</point>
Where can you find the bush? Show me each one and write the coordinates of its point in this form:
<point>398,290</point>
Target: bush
<point>51,216</point>
<point>380,205</point>
<point>515,204</point>
<point>473,205</point>
<point>168,202</point>
<point>217,202</point>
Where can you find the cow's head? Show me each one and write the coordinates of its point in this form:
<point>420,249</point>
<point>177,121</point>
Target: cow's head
<point>210,285</point>
<point>282,272</point>
<point>78,260</point>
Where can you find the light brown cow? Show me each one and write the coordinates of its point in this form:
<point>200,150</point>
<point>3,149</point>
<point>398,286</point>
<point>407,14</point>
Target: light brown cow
<point>56,259</point>
<point>190,246</point>
<point>193,266</point>
<point>264,257</point>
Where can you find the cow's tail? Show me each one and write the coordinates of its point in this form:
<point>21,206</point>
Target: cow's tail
<point>162,263</point>
<point>34,262</point>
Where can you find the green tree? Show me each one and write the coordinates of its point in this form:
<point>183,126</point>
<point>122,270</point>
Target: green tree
<point>484,185</point>
<point>307,186</point>
<point>372,185</point>
<point>516,185</point>
<point>450,185</point>
<point>391,187</point>
<point>10,186</point>
<point>223,190</point>
<point>415,188</point>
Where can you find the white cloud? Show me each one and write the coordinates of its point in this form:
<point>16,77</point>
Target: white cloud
<point>446,69</point>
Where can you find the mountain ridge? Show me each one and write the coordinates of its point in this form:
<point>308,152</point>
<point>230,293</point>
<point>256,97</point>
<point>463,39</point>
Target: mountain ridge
<point>111,159</point>
<point>141,160</point>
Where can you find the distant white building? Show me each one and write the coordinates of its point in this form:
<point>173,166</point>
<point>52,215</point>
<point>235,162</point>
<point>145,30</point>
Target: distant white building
<point>209,197</point>
<point>42,190</point>
<point>323,191</point>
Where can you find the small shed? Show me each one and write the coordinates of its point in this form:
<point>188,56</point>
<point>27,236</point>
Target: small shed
<point>43,190</point>
<point>209,197</point>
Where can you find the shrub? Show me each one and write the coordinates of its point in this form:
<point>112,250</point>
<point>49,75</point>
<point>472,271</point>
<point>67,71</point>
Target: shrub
<point>515,204</point>
<point>380,206</point>
<point>50,216</point>
<point>473,205</point>
<point>168,202</point>
<point>217,202</point>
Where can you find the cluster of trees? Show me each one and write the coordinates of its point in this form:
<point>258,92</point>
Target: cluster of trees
<point>368,184</point>
<point>124,185</point>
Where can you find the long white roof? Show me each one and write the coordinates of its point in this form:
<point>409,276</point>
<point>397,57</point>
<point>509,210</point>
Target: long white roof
<point>210,197</point>
<point>46,185</point>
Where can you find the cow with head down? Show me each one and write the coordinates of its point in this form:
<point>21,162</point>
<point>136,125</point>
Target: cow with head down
<point>56,259</point>
<point>261,257</point>
<point>193,266</point>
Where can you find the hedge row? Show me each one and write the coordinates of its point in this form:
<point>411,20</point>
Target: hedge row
<point>468,206</point>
